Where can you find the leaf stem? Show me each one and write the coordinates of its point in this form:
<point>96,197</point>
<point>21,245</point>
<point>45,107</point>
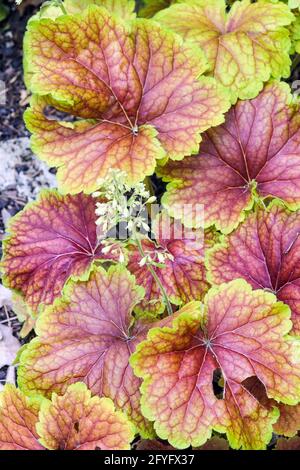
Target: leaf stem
<point>62,7</point>
<point>154,275</point>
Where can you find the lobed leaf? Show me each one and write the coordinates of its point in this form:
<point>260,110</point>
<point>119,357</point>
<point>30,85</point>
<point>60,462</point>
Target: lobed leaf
<point>253,155</point>
<point>134,93</point>
<point>265,251</point>
<point>245,47</point>
<point>50,241</point>
<point>183,276</point>
<point>88,336</point>
<point>240,333</point>
<point>74,421</point>
<point>78,421</point>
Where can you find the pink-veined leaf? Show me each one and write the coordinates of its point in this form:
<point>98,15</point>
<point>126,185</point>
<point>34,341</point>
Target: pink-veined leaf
<point>254,154</point>
<point>134,90</point>
<point>50,241</point>
<point>183,275</point>
<point>238,332</point>
<point>88,336</point>
<point>265,251</point>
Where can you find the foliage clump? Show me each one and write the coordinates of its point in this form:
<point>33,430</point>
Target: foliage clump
<point>179,329</point>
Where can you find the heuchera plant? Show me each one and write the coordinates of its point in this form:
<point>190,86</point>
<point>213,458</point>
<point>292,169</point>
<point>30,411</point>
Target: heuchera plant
<point>159,334</point>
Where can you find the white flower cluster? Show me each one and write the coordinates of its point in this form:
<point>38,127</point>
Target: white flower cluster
<point>121,203</point>
<point>156,258</point>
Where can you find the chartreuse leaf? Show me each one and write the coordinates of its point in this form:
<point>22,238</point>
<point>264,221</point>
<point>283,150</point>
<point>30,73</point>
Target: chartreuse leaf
<point>252,156</point>
<point>294,28</point>
<point>123,8</point>
<point>74,421</point>
<point>265,251</point>
<point>134,90</point>
<point>245,47</point>
<point>239,333</point>
<point>88,336</point>
<point>50,241</point>
<point>183,274</point>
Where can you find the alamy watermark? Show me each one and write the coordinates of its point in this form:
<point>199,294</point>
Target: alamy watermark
<point>296,87</point>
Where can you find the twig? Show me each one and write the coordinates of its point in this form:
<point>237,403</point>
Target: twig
<point>9,319</point>
<point>7,316</point>
<point>154,275</point>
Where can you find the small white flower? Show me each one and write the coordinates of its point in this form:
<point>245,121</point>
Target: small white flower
<point>143,261</point>
<point>145,226</point>
<point>151,200</point>
<point>101,209</point>
<point>161,257</point>
<point>107,249</point>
